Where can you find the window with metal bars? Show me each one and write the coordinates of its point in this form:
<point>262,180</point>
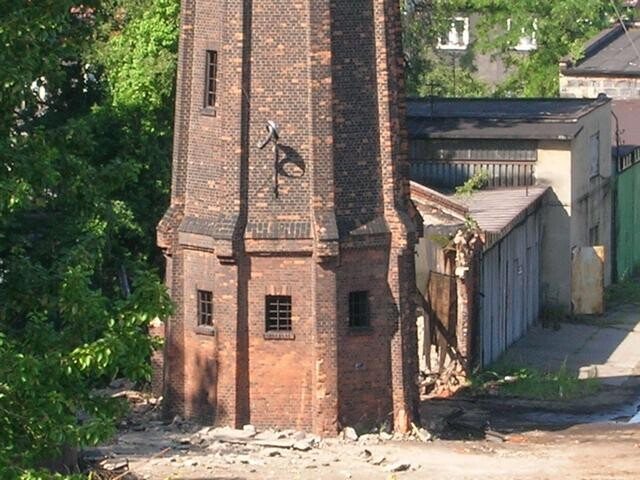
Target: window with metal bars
<point>205,308</point>
<point>359,309</point>
<point>211,84</point>
<point>278,313</point>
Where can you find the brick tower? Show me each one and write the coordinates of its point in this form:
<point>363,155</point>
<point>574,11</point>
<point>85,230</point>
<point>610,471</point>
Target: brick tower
<point>288,241</point>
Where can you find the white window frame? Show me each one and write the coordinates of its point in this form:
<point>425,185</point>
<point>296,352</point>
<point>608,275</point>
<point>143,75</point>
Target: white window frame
<point>528,41</point>
<point>456,40</point>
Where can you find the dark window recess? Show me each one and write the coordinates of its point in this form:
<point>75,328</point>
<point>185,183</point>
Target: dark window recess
<point>205,308</point>
<point>211,87</point>
<point>594,236</point>
<point>278,313</point>
<point>359,309</point>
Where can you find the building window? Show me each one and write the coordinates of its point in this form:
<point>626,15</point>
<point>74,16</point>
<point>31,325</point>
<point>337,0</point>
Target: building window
<point>205,308</point>
<point>278,313</point>
<point>594,155</point>
<point>359,310</point>
<point>528,41</point>
<point>211,84</point>
<point>458,36</point>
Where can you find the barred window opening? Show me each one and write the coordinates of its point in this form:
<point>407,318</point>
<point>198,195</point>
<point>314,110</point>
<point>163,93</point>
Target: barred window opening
<point>205,308</point>
<point>278,313</point>
<point>211,88</point>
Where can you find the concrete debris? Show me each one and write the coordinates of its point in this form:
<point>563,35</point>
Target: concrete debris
<point>299,436</point>
<point>378,461</point>
<point>369,439</point>
<point>114,465</point>
<point>281,443</point>
<point>397,467</point>
<point>385,437</point>
<point>365,454</point>
<point>249,429</point>
<point>303,445</point>
<point>494,436</point>
<point>272,452</point>
<point>349,433</point>
<point>270,435</point>
<point>588,372</point>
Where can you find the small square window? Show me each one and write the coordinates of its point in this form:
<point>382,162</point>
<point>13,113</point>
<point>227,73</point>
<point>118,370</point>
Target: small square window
<point>278,313</point>
<point>359,310</point>
<point>205,308</point>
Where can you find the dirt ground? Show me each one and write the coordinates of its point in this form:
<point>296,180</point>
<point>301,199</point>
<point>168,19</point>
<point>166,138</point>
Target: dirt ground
<point>156,450</point>
<point>584,452</point>
<point>470,437</point>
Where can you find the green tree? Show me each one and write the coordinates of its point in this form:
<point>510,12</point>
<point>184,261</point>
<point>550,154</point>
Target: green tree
<point>85,142</point>
<point>561,28</point>
<point>425,22</point>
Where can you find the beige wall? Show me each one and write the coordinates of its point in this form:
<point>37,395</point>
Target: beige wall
<point>620,88</point>
<point>576,204</point>
<point>554,169</point>
<point>592,196</point>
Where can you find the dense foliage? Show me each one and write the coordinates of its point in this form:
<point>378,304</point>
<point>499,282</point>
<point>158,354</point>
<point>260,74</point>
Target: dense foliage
<point>85,139</point>
<point>561,29</point>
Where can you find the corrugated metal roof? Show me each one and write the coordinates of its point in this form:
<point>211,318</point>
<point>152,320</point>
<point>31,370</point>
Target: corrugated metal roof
<point>496,211</point>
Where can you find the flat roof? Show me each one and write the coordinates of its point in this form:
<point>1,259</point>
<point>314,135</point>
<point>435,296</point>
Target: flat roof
<point>610,53</point>
<point>490,118</point>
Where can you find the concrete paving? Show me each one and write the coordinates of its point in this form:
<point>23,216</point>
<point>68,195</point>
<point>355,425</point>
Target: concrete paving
<point>612,346</point>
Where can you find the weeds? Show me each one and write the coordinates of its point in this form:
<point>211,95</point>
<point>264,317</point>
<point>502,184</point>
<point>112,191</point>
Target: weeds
<point>552,314</point>
<point>511,380</point>
<point>625,291</point>
<point>477,182</point>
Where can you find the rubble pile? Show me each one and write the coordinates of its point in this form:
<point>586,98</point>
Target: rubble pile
<point>180,445</point>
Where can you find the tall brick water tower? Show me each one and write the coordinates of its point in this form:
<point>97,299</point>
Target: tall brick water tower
<point>288,240</point>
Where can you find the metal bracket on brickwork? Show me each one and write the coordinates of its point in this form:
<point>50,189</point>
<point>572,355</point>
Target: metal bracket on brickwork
<point>273,136</point>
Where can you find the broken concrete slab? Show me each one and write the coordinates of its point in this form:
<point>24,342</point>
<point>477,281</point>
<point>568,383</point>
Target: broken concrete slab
<point>303,445</point>
<point>276,443</point>
<point>398,467</point>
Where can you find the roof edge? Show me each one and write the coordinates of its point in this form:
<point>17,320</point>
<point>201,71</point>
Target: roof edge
<point>420,192</point>
<point>595,44</point>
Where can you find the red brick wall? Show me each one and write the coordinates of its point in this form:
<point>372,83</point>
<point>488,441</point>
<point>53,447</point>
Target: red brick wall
<point>330,74</point>
<point>280,371</point>
<point>364,362</point>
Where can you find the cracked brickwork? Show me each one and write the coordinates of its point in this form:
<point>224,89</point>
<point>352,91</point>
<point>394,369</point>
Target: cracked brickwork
<point>330,74</point>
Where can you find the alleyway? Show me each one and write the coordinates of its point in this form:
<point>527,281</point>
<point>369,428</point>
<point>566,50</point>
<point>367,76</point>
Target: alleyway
<point>611,344</point>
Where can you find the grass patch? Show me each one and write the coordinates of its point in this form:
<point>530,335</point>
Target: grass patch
<point>510,380</point>
<point>625,291</point>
